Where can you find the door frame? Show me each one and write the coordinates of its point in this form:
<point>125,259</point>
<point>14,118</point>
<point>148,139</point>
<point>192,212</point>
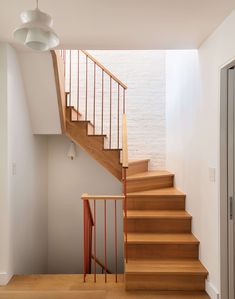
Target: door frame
<point>224,277</point>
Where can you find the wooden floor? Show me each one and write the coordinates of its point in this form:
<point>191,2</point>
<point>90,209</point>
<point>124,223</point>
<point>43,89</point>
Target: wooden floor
<point>72,287</point>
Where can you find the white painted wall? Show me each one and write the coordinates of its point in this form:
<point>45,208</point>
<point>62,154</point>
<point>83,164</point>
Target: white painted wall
<point>144,74</point>
<point>193,120</point>
<point>67,180</point>
<point>25,197</point>
<point>39,81</point>
<point>4,203</point>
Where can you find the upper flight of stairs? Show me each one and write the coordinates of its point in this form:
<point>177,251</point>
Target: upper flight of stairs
<point>162,251</point>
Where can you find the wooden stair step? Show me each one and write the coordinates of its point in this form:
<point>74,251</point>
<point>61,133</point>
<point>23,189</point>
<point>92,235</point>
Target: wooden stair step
<point>148,238</point>
<point>162,192</point>
<point>161,245</point>
<point>137,166</point>
<point>89,126</point>
<point>75,114</point>
<point>149,180</point>
<point>163,199</point>
<point>158,221</point>
<point>179,266</point>
<point>149,174</point>
<point>158,214</point>
<point>181,274</point>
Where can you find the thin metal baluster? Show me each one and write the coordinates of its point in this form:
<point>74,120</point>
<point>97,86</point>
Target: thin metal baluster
<point>102,113</point>
<point>115,234</point>
<point>78,94</point>
<point>94,241</point>
<point>118,116</point>
<point>70,78</point>
<point>86,87</point>
<point>94,98</point>
<point>124,101</point>
<point>110,115</point>
<point>65,53</point>
<point>105,241</point>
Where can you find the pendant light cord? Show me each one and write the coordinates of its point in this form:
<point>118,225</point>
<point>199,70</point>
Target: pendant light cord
<point>37,3</point>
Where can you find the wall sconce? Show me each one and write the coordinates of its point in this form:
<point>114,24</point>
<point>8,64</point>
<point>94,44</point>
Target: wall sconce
<point>72,151</point>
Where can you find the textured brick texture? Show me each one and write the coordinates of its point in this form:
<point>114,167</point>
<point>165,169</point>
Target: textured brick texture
<point>144,74</point>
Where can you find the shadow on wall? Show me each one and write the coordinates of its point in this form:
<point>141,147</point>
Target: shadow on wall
<point>67,181</point>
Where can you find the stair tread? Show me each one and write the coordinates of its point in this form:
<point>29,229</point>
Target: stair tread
<point>160,214</point>
<point>155,238</point>
<point>82,121</point>
<point>171,191</point>
<point>74,109</point>
<point>131,162</point>
<point>179,266</point>
<point>149,174</point>
<point>97,135</point>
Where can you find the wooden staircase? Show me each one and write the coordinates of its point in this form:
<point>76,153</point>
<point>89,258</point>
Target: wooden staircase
<point>162,251</point>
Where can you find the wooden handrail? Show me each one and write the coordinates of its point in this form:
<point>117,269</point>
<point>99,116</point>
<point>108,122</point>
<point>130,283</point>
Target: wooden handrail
<point>124,142</point>
<point>104,69</point>
<point>101,197</point>
<point>58,66</point>
<point>98,262</point>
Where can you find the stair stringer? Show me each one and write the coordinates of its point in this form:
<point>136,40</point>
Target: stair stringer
<point>77,131</point>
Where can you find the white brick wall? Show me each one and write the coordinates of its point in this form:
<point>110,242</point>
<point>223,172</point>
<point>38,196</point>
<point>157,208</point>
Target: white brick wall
<point>144,74</point>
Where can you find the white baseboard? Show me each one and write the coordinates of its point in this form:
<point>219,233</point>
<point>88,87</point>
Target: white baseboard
<point>211,290</point>
<point>4,278</point>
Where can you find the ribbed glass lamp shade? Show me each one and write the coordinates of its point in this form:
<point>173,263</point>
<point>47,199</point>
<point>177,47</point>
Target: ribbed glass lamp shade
<point>36,31</point>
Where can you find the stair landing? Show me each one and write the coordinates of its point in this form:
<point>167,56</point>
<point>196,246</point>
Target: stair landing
<point>72,287</point>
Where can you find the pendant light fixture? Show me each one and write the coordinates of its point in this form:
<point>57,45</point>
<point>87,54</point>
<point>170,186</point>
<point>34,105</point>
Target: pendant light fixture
<point>36,30</point>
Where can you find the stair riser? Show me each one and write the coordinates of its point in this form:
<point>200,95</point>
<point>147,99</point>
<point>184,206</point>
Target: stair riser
<point>149,183</point>
<point>165,282</point>
<point>94,146</point>
<point>137,167</point>
<point>159,225</point>
<point>160,203</point>
<point>164,251</point>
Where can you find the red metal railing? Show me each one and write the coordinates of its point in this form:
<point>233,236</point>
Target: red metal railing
<point>96,93</point>
<point>90,234</point>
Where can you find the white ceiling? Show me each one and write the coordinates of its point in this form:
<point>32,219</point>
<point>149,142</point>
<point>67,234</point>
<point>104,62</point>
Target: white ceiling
<point>119,24</point>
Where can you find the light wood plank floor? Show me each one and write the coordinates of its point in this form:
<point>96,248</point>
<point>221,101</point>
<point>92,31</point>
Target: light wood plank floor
<point>72,287</point>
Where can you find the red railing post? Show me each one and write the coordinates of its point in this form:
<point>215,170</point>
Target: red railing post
<point>84,241</point>
<point>105,240</point>
<point>125,212</point>
<point>94,241</point>
<point>115,234</point>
